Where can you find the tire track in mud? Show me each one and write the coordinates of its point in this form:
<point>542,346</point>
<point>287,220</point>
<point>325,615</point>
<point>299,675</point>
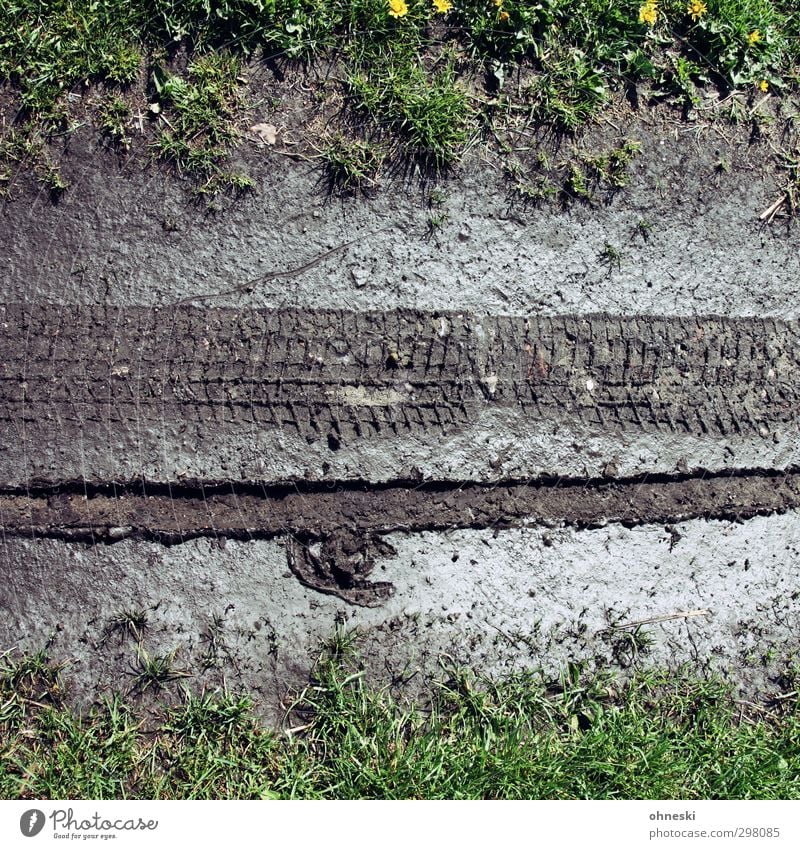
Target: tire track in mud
<point>174,514</point>
<point>345,377</point>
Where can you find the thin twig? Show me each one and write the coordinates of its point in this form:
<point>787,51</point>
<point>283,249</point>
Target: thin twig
<point>782,696</point>
<point>681,614</point>
<point>277,275</point>
<point>772,210</point>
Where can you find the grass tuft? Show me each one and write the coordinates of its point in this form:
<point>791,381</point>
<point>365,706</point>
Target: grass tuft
<point>350,164</point>
<point>427,111</point>
<point>197,114</point>
<point>115,118</point>
<point>130,622</point>
<point>154,671</point>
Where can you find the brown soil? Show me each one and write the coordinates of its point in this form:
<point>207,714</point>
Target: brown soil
<point>172,514</point>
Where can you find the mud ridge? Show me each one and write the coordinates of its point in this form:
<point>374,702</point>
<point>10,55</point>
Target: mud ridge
<point>341,377</point>
<point>106,515</point>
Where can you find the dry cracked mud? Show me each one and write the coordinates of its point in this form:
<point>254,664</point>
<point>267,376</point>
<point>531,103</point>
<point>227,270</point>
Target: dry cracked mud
<point>299,411</point>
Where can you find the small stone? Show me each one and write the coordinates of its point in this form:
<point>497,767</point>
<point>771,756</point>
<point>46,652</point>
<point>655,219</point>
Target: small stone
<point>268,133</point>
<point>491,384</point>
<point>360,277</point>
<point>611,470</point>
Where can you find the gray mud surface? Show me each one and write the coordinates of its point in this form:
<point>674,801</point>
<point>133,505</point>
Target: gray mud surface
<point>142,388</point>
<point>128,234</point>
<point>719,596</point>
<point>525,452</point>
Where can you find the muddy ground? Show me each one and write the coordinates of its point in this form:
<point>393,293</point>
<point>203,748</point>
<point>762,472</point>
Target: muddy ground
<point>719,596</point>
<point>687,230</point>
<point>187,393</point>
<point>244,420</point>
<point>172,514</point>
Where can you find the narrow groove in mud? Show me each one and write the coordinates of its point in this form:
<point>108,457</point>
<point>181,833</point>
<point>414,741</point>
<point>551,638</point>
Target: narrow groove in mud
<point>173,514</point>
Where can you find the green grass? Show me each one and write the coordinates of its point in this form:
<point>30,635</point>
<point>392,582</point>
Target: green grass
<point>154,671</point>
<point>419,86</point>
<point>198,114</point>
<point>47,47</point>
<point>426,111</point>
<point>115,117</point>
<point>657,736</point>
<point>350,164</point>
<point>584,176</point>
<point>128,622</point>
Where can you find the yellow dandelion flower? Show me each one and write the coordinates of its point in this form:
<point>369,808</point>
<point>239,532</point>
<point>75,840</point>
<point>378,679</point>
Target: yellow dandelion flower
<point>398,8</point>
<point>443,6</point>
<point>754,37</point>
<point>696,9</point>
<point>499,3</point>
<point>648,13</point>
<point>504,17</point>
<point>764,85</point>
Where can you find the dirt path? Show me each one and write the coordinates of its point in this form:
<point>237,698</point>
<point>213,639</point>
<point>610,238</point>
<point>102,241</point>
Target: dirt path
<point>552,445</point>
<point>491,601</point>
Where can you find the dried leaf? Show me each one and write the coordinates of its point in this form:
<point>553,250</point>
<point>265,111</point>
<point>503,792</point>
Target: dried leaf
<point>268,133</point>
